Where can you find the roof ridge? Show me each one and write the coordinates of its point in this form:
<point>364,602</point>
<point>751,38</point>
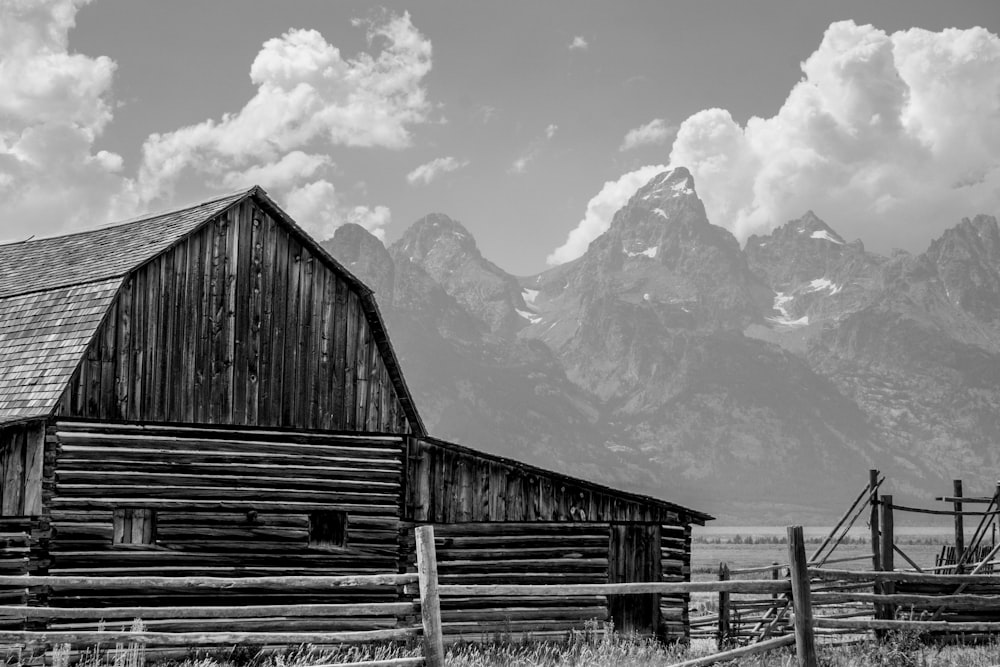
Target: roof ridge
<point>54,288</point>
<point>139,218</point>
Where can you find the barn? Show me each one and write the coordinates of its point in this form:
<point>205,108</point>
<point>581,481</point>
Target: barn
<point>208,391</point>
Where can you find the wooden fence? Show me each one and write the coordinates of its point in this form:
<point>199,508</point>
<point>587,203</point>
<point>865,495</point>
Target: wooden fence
<point>805,587</point>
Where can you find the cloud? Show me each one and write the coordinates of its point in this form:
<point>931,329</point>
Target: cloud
<point>54,105</point>
<point>485,114</point>
<point>520,165</point>
<point>600,210</point>
<point>319,201</point>
<point>654,132</point>
<point>308,100</point>
<point>427,172</point>
<point>890,138</point>
<point>578,44</point>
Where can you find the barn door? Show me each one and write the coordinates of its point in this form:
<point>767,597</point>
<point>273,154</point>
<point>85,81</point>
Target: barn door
<point>634,555</point>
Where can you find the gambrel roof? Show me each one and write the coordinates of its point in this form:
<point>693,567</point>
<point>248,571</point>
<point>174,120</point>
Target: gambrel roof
<point>55,292</point>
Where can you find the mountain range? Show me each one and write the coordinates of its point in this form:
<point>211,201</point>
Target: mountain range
<point>757,383</point>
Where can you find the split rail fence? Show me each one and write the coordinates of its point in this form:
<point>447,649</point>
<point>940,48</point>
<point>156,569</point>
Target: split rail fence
<point>806,586</point>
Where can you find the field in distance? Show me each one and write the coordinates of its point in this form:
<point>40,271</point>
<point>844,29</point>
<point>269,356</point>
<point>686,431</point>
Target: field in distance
<point>754,546</point>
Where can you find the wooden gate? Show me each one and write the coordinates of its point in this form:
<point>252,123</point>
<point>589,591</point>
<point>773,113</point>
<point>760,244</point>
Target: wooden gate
<point>634,556</point>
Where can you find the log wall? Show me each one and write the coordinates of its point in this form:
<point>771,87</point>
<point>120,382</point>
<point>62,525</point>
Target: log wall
<point>227,502</point>
<point>21,459</point>
<point>557,553</point>
<point>23,551</point>
<point>239,323</point>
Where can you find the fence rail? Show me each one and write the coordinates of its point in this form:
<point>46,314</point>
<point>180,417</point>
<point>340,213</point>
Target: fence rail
<point>783,618</point>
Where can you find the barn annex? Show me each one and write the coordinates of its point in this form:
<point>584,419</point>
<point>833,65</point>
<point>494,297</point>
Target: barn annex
<point>207,391</point>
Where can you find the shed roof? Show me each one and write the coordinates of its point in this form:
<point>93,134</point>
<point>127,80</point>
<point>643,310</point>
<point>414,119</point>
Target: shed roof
<point>54,292</point>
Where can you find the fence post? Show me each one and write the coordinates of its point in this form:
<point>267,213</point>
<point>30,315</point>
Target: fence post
<point>805,642</point>
<point>873,520</point>
<point>959,526</point>
<point>722,637</point>
<point>888,564</point>
<point>430,602</point>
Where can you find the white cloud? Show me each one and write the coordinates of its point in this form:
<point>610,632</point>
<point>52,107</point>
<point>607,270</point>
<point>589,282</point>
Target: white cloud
<point>600,210</point>
<point>307,96</point>
<point>53,107</point>
<point>654,132</point>
<point>308,99</point>
<point>427,172</point>
<point>520,165</point>
<point>890,138</point>
<point>319,202</point>
<point>578,43</point>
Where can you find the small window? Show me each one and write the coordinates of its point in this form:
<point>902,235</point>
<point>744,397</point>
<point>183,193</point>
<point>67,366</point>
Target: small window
<point>328,529</point>
<point>134,527</point>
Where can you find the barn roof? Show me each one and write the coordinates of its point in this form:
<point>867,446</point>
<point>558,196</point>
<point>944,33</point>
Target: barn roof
<point>54,293</point>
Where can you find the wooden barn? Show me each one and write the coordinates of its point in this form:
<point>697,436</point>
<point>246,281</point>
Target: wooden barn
<point>208,391</point>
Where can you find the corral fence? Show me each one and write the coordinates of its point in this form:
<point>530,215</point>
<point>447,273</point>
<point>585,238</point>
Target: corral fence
<point>805,587</point>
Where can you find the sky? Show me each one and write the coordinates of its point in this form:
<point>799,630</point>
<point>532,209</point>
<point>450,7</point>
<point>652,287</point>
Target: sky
<point>530,123</point>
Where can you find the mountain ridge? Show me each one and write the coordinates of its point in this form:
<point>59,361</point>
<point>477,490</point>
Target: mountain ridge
<point>768,373</point>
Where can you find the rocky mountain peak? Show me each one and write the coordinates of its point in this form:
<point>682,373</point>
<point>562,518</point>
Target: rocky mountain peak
<point>446,250</point>
<point>437,234</point>
<point>966,262</point>
<point>364,256</point>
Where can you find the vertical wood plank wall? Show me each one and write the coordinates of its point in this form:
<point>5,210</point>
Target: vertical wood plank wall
<point>452,484</point>
<point>238,324</point>
<point>227,502</point>
<point>22,449</point>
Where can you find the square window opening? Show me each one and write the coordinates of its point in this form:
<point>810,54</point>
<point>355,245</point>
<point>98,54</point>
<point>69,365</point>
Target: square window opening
<point>328,529</point>
<point>134,527</point>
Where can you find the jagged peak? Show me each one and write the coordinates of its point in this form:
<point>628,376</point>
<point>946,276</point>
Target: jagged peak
<point>811,226</point>
<point>670,184</point>
<point>433,229</point>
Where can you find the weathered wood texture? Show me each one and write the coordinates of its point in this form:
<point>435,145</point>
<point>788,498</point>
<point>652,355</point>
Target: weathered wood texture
<point>634,555</point>
<point>240,323</point>
<point>494,553</point>
<point>227,502</point>
<point>450,483</point>
<point>547,553</point>
<point>24,545</point>
<point>22,461</point>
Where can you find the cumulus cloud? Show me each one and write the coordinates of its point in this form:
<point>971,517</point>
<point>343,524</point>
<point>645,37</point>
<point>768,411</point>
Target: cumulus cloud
<point>600,210</point>
<point>889,137</point>
<point>427,172</point>
<point>550,131</point>
<point>54,105</point>
<point>652,133</point>
<point>578,43</point>
<point>320,202</point>
<point>308,99</point>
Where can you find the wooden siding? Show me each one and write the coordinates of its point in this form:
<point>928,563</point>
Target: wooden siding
<point>22,461</point>
<point>675,565</point>
<point>511,553</point>
<point>634,555</point>
<point>227,502</point>
<point>565,553</point>
<point>24,542</point>
<point>450,484</point>
<point>239,323</point>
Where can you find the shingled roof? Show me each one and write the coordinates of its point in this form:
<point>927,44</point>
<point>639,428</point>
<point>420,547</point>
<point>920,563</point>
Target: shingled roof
<point>54,293</point>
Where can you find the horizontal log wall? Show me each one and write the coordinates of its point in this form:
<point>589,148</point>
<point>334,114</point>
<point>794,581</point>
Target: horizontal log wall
<point>450,484</point>
<point>675,565</point>
<point>24,545</point>
<point>21,469</point>
<point>538,553</point>
<point>238,324</point>
<point>227,503</point>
